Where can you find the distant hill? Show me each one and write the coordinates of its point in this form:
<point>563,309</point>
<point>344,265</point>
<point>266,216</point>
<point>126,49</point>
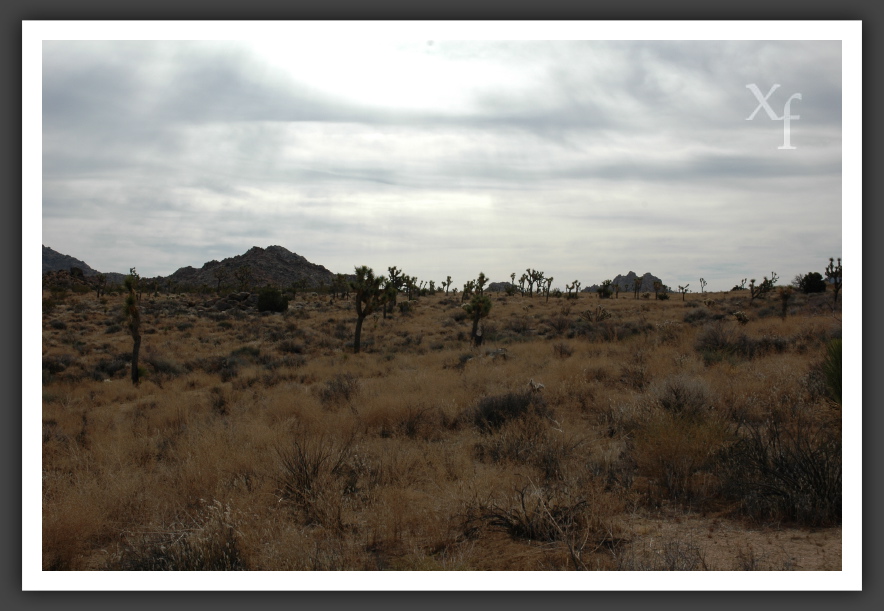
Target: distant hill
<point>272,265</point>
<point>54,261</point>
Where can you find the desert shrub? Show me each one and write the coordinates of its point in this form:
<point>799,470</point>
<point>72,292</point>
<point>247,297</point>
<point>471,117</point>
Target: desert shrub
<point>635,373</point>
<point>578,517</point>
<point>832,369</point>
<point>812,283</point>
<point>57,364</point>
<point>108,368</point>
<point>209,542</point>
<point>668,555</point>
<point>113,328</point>
<point>58,324</point>
<point>560,323</point>
<point>518,324</point>
<point>537,513</point>
<point>718,341</point>
<point>530,440</point>
<point>184,326</point>
<point>246,353</point>
<point>164,365</point>
<point>786,471</point>
<point>49,304</point>
<point>314,477</point>
<point>697,314</point>
<point>490,413</point>
<point>682,394</point>
<point>340,389</point>
<point>226,366</point>
<point>680,454</point>
<point>271,299</point>
<point>562,350</point>
<point>288,346</point>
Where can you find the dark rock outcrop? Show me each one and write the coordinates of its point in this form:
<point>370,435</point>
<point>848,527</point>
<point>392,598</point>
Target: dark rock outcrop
<point>272,265</point>
<point>625,283</point>
<point>54,261</point>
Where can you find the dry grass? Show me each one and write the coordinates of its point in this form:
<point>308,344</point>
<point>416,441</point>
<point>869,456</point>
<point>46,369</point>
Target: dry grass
<point>261,442</point>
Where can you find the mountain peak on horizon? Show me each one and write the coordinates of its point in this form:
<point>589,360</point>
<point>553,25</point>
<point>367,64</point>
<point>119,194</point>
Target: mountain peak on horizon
<point>271,265</point>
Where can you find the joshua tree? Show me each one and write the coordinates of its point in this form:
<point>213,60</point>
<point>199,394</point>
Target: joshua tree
<point>549,282</point>
<point>243,275</point>
<point>478,308</point>
<point>447,284</point>
<point>658,286</point>
<point>833,276</point>
<point>220,274</point>
<point>100,284</point>
<point>636,287</point>
<point>532,276</point>
<point>369,296</point>
<point>133,319</point>
<point>785,295</point>
<point>480,283</point>
<point>432,287</point>
<point>395,282</point>
<point>766,286</point>
<point>605,290</point>
<point>702,286</point>
<point>468,289</point>
<point>574,286</point>
<point>684,289</point>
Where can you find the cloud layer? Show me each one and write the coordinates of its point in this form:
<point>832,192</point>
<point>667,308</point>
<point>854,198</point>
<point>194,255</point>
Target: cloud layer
<point>582,159</point>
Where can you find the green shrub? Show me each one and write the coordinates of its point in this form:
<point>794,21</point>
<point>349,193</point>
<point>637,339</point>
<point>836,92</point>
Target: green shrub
<point>271,299</point>
<point>812,283</point>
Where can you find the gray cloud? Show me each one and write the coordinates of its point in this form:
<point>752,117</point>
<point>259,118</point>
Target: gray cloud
<point>588,159</point>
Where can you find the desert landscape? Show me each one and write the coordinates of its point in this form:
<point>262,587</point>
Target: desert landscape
<point>698,432</point>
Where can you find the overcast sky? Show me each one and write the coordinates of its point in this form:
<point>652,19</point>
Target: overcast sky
<point>582,159</point>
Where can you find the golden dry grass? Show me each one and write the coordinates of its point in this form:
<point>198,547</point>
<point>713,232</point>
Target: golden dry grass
<point>260,442</point>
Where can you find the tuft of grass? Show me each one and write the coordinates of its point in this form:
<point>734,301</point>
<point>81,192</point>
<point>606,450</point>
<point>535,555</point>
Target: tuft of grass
<point>209,542</point>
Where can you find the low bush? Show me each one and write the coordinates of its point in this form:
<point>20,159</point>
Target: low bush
<point>490,413</point>
<point>787,472</point>
<point>682,394</point>
<point>340,389</point>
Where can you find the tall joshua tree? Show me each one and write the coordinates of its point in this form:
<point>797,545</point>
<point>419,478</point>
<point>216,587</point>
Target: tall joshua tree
<point>479,307</point>
<point>133,319</point>
<point>369,297</point>
<point>833,275</point>
<point>481,281</point>
<point>100,284</point>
